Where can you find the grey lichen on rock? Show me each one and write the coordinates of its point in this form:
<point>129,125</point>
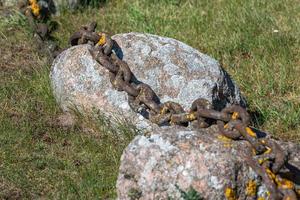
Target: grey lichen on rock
<point>173,69</point>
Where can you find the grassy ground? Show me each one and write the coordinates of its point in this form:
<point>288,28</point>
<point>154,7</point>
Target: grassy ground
<point>257,42</point>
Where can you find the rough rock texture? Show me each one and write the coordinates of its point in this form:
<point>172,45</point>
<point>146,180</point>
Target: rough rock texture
<point>173,69</point>
<point>173,159</point>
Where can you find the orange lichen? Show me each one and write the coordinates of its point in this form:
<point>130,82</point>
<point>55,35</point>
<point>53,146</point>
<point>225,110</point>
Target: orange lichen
<point>262,160</point>
<point>226,126</point>
<point>230,194</point>
<point>227,142</point>
<point>251,188</point>
<point>268,150</point>
<point>102,39</point>
<point>191,116</point>
<point>270,174</point>
<point>235,115</point>
<point>281,182</point>
<point>163,110</point>
<point>224,138</point>
<point>35,8</point>
<point>253,152</point>
<point>250,132</point>
<point>284,183</point>
<point>227,145</point>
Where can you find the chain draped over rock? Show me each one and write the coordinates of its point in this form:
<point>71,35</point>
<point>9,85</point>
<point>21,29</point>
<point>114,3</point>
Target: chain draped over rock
<point>264,156</point>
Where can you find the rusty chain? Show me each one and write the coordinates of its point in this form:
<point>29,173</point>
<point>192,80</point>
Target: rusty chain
<point>264,156</point>
<point>39,20</point>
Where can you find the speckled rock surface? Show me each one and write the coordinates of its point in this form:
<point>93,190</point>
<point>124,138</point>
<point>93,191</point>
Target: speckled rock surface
<point>173,159</point>
<point>174,70</point>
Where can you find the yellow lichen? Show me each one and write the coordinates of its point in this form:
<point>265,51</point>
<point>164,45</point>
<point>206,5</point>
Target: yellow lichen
<point>251,188</point>
<point>235,115</point>
<point>281,182</point>
<point>35,8</point>
<point>191,116</point>
<point>285,184</point>
<point>270,174</point>
<point>262,160</point>
<point>227,145</point>
<point>102,39</point>
<point>227,141</point>
<point>260,198</point>
<point>226,126</point>
<point>32,1</point>
<point>268,150</point>
<point>163,110</point>
<point>230,194</point>
<point>224,138</point>
<point>250,132</point>
<point>253,152</point>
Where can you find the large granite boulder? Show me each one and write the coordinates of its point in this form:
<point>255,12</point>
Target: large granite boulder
<point>176,161</point>
<point>173,69</point>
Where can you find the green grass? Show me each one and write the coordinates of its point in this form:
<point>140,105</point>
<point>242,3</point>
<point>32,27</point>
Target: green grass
<point>39,158</point>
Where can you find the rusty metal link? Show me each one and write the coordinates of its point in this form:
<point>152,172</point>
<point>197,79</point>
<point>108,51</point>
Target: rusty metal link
<point>240,113</point>
<point>124,71</point>
<point>264,156</point>
<point>262,172</point>
<point>39,18</point>
<point>286,188</point>
<point>237,127</point>
<point>213,114</point>
<point>200,104</point>
<point>229,130</point>
<point>259,148</point>
<point>85,34</point>
<point>148,97</point>
<point>274,153</point>
<point>167,110</point>
<point>40,28</point>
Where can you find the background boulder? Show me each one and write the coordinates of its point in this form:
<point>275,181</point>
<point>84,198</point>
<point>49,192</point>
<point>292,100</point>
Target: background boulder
<point>174,70</point>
